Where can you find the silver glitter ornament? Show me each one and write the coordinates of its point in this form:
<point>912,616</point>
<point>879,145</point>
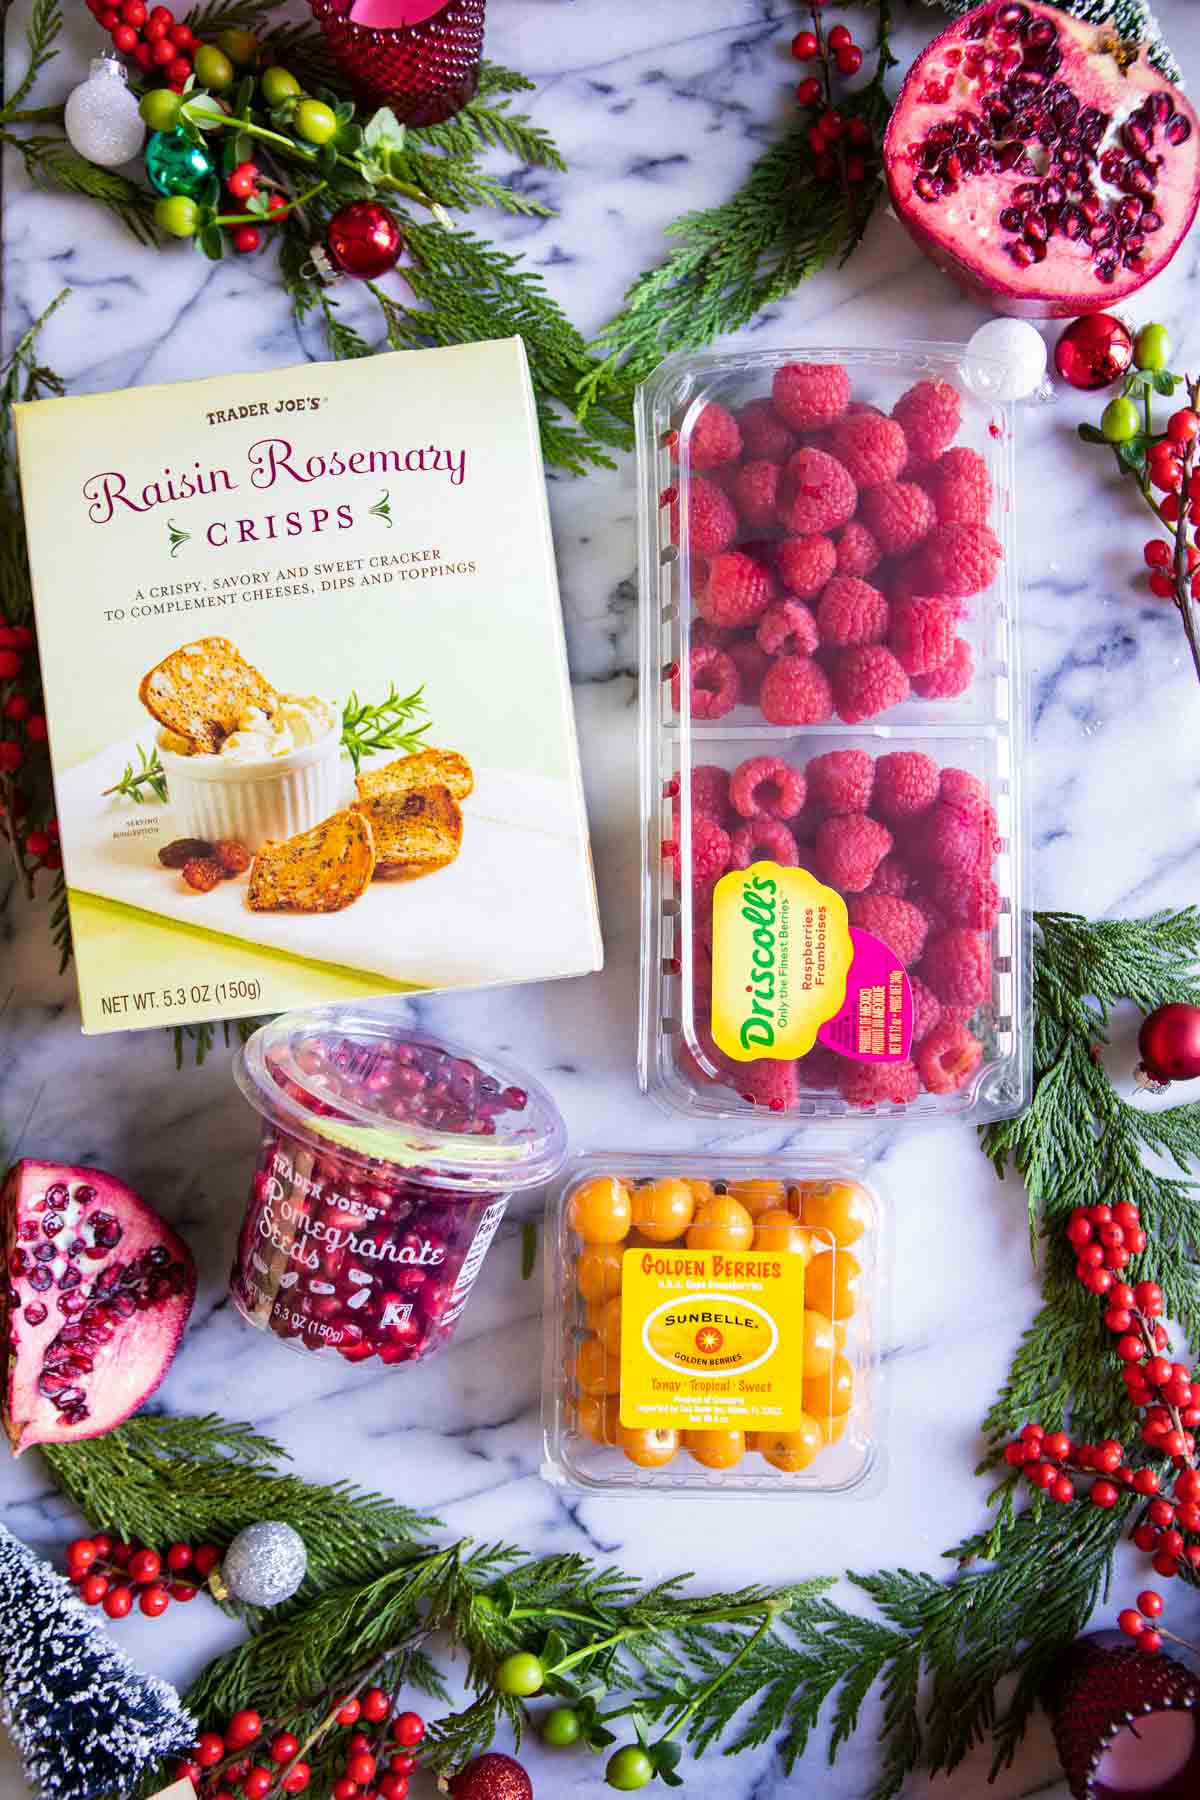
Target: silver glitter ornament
<point>263,1566</point>
<point>101,117</point>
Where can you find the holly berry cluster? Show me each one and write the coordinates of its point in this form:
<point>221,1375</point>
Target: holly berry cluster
<point>22,734</point>
<point>1104,1239</point>
<point>245,183</point>
<point>113,1574</point>
<point>153,37</point>
<point>1170,462</point>
<point>837,143</point>
<point>377,1762</point>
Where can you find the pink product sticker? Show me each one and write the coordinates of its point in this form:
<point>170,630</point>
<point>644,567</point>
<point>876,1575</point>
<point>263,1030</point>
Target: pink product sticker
<point>875,1021</point>
<point>394,15</point>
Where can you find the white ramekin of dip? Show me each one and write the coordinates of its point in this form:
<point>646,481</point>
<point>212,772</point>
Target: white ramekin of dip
<point>274,776</point>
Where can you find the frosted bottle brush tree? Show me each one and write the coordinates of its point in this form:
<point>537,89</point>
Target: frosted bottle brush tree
<point>85,1721</point>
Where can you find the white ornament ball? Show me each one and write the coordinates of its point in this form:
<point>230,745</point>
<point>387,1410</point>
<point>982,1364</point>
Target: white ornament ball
<point>265,1564</point>
<point>1019,350</point>
<point>101,118</point>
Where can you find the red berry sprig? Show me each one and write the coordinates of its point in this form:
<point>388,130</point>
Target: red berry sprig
<point>23,735</point>
<point>115,1575</point>
<point>1104,1239</point>
<point>841,146</point>
<point>376,1760</point>
<point>152,37</point>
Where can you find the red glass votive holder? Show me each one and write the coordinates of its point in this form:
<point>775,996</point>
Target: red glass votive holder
<point>424,71</point>
<point>386,1162</point>
<point>1125,1723</point>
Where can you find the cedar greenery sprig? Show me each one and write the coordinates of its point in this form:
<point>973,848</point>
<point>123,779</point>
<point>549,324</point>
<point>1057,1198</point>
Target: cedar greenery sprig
<point>785,223</point>
<point>160,1479</point>
<point>1080,1142</point>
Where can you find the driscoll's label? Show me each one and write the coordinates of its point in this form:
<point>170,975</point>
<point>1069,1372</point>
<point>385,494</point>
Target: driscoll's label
<point>790,970</point>
<point>711,1340</point>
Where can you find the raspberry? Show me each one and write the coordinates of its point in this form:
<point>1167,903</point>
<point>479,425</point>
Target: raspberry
<point>719,636</point>
<point>820,1071</point>
<point>896,923</point>
<point>967,897</point>
<point>959,837</point>
<point>796,691</point>
<point>810,395</point>
<point>711,850</point>
<point>851,611</point>
<point>850,847</point>
<point>857,550</point>
<point>714,438</point>
<point>960,487</point>
<point>877,1083</point>
<point>769,1083</point>
<point>952,679</point>
<point>697,574</point>
<point>805,564</point>
<point>922,633</point>
<point>714,683</point>
<point>927,1008</point>
<point>788,628</point>
<point>738,590</point>
<point>872,446</point>
<point>958,967</point>
<point>765,437</point>
<point>900,515</point>
<point>948,1057</point>
<point>816,493</point>
<point>710,792</point>
<point>841,781</point>
<point>962,789</point>
<point>929,413</point>
<point>866,682</point>
<point>956,560</point>
<point>893,876</point>
<point>755,492</point>
<point>712,518</point>
<point>766,788</point>
<point>906,784</point>
<point>751,662</point>
<point>764,840</point>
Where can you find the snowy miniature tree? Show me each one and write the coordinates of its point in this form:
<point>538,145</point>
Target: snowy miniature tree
<point>85,1721</point>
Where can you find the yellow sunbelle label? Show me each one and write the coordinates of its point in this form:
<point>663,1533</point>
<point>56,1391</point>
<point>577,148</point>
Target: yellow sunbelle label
<point>781,957</point>
<point>711,1339</point>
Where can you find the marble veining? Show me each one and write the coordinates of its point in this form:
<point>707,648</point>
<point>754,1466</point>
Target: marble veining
<point>659,108</point>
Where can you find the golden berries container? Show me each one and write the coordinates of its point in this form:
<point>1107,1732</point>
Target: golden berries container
<point>712,1326</point>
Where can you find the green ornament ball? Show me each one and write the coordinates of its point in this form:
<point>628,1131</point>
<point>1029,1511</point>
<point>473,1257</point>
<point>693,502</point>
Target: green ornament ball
<point>1119,420</point>
<point>175,165</point>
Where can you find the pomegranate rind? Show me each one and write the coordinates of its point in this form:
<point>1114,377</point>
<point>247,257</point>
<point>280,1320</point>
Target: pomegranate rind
<point>961,231</point>
<point>128,1367</point>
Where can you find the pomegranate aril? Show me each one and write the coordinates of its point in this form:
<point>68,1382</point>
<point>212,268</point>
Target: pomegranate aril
<point>55,1194</point>
<point>40,1279</point>
<point>1178,129</point>
<point>1151,221</point>
<point>1135,137</point>
<point>35,1313</point>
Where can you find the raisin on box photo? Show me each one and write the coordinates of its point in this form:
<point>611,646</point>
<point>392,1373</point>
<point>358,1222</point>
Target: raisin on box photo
<point>306,687</point>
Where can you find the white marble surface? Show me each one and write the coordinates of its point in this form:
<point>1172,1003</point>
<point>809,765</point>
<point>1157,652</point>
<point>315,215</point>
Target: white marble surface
<point>659,108</point>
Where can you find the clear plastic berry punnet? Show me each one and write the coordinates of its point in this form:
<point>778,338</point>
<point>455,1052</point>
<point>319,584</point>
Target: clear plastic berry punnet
<point>952,871</point>
<point>740,1356</point>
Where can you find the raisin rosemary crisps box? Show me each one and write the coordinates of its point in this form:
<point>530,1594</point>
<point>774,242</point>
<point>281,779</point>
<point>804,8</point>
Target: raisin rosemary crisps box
<point>306,686</point>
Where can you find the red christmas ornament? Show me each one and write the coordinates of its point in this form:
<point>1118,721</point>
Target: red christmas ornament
<point>364,240</point>
<point>1169,1047</point>
<point>1093,352</point>
<point>1096,1694</point>
<point>492,1777</point>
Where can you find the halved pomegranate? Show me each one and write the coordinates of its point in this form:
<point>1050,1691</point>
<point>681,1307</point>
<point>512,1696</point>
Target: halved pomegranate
<point>1042,161</point>
<point>94,1295</point>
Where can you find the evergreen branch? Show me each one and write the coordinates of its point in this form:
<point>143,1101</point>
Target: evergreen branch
<point>213,16</point>
<point>203,1037</point>
<point>344,341</point>
<point>456,181</point>
<point>488,121</point>
<point>52,162</point>
<point>159,1479</point>
<point>388,725</point>
<point>41,35</point>
<point>468,289</point>
<point>60,922</point>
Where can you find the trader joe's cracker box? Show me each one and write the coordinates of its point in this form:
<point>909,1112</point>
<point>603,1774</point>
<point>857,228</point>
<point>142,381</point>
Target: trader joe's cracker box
<point>306,686</point>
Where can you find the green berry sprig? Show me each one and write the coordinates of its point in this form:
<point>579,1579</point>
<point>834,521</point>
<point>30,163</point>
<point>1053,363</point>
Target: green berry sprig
<point>1164,461</point>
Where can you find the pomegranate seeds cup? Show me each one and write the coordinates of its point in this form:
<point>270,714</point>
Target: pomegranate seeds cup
<point>386,1162</point>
